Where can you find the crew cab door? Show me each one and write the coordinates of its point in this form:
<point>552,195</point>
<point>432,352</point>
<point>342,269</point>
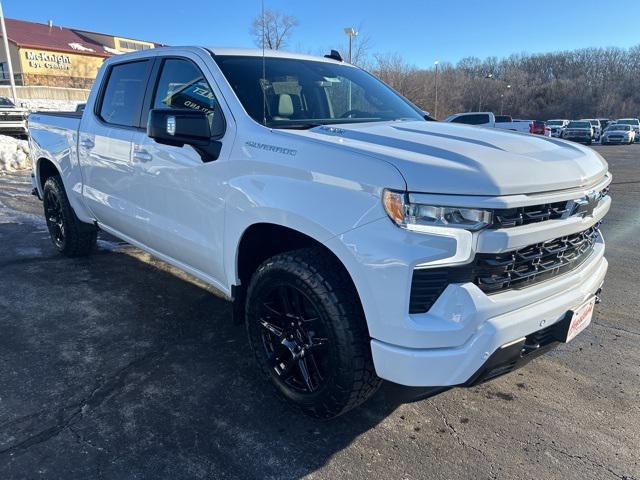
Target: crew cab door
<point>184,192</point>
<point>110,183</point>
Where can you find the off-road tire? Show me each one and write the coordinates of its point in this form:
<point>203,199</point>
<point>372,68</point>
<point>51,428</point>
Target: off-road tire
<point>351,378</point>
<point>79,238</point>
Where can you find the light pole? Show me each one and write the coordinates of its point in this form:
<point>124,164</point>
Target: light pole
<point>8,55</point>
<point>435,114</point>
<point>502,100</point>
<point>488,76</point>
<point>351,32</point>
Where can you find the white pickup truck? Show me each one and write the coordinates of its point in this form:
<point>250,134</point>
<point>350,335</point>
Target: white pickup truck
<point>357,241</point>
<point>489,120</point>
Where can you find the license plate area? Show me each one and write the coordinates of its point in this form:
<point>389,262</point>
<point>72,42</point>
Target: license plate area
<point>578,319</point>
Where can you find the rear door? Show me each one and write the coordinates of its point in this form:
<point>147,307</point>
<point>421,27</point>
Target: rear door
<point>184,195</point>
<point>110,183</point>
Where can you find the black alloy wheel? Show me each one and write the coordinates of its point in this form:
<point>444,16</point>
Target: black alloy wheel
<point>294,340</point>
<point>54,216</point>
<point>308,332</point>
<point>69,235</point>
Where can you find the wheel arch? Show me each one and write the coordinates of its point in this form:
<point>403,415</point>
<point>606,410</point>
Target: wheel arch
<point>45,168</point>
<point>263,240</point>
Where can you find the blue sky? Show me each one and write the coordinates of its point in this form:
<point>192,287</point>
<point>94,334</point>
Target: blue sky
<point>422,31</point>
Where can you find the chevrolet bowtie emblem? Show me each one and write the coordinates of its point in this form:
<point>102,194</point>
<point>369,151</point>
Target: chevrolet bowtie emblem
<point>586,205</point>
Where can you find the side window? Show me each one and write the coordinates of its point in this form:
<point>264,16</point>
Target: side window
<point>182,85</point>
<point>472,119</point>
<point>124,93</point>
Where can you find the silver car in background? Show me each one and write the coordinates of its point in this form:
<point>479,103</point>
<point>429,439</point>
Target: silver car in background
<point>618,133</point>
<point>635,124</point>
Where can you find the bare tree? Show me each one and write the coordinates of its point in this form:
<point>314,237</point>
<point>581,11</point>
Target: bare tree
<point>273,29</point>
<point>587,83</point>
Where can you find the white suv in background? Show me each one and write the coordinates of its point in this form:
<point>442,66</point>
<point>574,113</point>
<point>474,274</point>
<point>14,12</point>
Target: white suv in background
<point>557,127</point>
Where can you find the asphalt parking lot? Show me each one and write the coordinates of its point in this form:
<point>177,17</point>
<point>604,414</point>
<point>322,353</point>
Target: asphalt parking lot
<point>118,366</point>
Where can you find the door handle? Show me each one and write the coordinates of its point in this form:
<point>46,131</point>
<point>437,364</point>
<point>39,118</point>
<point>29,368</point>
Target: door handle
<point>87,143</point>
<point>141,156</point>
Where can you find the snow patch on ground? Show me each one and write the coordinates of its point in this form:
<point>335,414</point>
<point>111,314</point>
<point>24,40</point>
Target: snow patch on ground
<point>52,105</point>
<point>14,154</point>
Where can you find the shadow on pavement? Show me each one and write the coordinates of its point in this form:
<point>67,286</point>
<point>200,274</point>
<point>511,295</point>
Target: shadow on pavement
<point>121,368</point>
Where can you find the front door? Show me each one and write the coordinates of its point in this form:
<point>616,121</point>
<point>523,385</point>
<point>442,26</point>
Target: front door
<point>183,194</point>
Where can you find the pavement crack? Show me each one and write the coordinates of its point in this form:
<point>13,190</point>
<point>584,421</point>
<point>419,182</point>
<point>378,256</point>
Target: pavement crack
<point>454,433</point>
<point>587,460</point>
<point>618,329</point>
<point>68,413</point>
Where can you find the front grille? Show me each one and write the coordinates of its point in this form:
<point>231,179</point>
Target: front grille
<point>11,118</point>
<point>499,272</point>
<point>514,217</point>
<point>533,264</point>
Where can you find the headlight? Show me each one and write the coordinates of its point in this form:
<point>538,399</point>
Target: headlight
<point>414,215</point>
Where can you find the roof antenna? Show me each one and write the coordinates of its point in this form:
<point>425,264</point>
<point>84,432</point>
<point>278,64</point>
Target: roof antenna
<point>264,74</point>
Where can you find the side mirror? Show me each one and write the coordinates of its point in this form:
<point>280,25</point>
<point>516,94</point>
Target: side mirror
<point>179,127</point>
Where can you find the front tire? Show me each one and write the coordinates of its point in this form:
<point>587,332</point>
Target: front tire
<point>69,235</point>
<point>308,333</point>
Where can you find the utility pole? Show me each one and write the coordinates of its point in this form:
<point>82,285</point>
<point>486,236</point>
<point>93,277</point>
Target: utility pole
<point>435,114</point>
<point>8,55</point>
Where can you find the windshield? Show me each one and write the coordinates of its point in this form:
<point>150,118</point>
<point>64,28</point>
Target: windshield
<point>595,123</point>
<point>631,121</point>
<point>625,128</point>
<point>555,123</point>
<point>306,93</point>
<point>579,125</point>
<point>5,102</point>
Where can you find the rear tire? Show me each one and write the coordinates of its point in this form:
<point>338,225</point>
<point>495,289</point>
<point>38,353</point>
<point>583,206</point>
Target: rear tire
<point>69,235</point>
<point>309,334</point>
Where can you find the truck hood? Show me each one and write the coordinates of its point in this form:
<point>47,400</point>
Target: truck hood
<point>449,158</point>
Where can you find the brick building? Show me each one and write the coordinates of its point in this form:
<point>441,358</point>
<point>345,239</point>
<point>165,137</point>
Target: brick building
<point>51,55</point>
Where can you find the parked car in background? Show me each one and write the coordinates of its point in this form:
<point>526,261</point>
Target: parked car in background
<point>605,122</point>
<point>13,120</point>
<point>635,124</point>
<point>596,128</point>
<point>538,127</point>
<point>580,131</point>
<point>618,133</point>
<point>557,126</point>
<point>488,119</point>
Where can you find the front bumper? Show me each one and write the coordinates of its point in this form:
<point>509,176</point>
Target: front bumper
<point>463,364</point>
<point>578,138</point>
<point>616,139</point>
<point>13,128</point>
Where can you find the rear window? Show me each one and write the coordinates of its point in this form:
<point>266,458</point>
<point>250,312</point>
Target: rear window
<point>579,125</point>
<point>476,119</point>
<point>629,121</point>
<point>503,119</point>
<point>124,93</point>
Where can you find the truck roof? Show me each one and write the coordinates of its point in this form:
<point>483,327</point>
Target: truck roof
<point>257,52</point>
